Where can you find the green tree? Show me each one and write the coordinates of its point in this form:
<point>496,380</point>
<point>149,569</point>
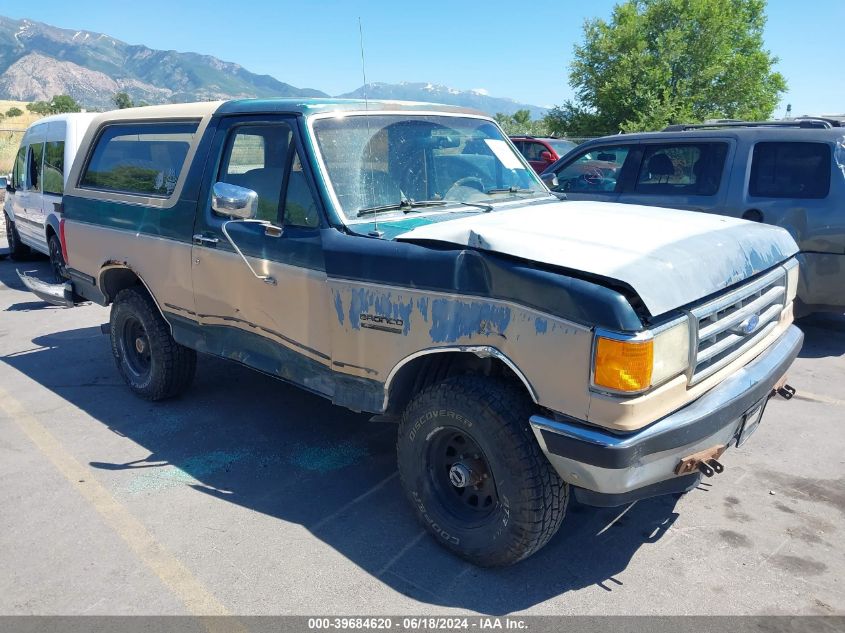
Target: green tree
<point>122,100</point>
<point>39,107</point>
<point>520,122</point>
<point>13,112</point>
<point>658,62</point>
<point>63,103</point>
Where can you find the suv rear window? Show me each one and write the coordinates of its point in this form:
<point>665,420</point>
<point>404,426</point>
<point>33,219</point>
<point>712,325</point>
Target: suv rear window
<point>139,158</point>
<point>682,169</point>
<point>790,170</point>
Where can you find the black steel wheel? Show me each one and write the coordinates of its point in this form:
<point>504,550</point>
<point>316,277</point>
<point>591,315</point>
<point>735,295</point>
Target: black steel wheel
<point>475,474</point>
<point>153,365</point>
<point>57,260</point>
<point>461,475</point>
<point>135,347</point>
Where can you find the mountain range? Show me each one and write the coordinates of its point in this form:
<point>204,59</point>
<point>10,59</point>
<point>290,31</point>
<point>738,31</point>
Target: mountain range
<point>38,61</point>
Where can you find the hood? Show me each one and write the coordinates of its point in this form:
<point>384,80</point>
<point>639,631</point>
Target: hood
<point>670,258</point>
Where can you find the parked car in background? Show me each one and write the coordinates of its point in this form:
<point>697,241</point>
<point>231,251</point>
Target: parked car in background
<point>787,173</point>
<point>542,152</point>
<point>33,197</point>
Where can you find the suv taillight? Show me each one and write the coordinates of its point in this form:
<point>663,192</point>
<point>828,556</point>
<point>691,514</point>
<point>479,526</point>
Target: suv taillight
<point>63,241</point>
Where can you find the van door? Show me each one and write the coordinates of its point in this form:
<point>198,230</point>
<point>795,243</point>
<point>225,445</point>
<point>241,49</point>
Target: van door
<point>52,173</point>
<point>680,175</point>
<point>278,324</point>
<point>797,185</point>
<point>14,201</point>
<point>29,223</point>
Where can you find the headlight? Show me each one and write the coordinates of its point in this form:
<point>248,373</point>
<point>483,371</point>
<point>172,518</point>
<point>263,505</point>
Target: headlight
<point>635,364</point>
<point>791,280</point>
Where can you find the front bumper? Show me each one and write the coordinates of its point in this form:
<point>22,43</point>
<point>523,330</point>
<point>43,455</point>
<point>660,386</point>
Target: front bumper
<point>611,469</point>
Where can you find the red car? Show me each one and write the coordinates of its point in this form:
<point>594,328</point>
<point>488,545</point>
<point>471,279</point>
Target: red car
<point>541,152</point>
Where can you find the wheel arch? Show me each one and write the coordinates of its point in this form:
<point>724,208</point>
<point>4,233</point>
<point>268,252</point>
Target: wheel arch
<point>116,277</point>
<point>51,227</point>
<point>428,366</point>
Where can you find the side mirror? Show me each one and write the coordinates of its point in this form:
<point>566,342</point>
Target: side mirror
<point>233,201</point>
<point>546,157</point>
<point>549,179</point>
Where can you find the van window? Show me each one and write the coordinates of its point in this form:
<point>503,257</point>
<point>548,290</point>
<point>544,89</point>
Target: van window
<point>688,169</point>
<point>255,158</point>
<point>139,158</point>
<point>54,162</point>
<point>790,170</point>
<point>19,172</point>
<point>34,159</point>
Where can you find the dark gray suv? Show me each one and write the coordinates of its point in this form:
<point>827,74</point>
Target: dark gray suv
<point>787,173</point>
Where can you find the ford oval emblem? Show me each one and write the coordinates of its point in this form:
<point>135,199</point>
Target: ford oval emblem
<point>747,326</point>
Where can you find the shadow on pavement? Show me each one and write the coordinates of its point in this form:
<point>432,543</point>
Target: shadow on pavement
<point>248,439</point>
<point>824,335</point>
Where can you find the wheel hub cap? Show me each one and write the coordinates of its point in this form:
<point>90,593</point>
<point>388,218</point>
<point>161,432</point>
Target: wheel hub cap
<point>461,476</point>
<point>140,345</point>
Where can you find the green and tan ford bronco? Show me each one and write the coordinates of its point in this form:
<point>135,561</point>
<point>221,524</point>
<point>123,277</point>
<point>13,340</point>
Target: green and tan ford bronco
<point>403,259</point>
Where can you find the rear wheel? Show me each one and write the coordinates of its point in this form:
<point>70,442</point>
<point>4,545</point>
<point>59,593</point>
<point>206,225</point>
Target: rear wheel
<point>57,260</point>
<point>17,249</point>
<point>153,365</point>
<point>474,472</point>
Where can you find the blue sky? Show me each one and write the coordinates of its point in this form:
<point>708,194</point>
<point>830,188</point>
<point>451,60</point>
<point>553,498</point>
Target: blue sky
<point>510,49</point>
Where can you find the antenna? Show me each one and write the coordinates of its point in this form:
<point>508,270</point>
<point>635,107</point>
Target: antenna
<point>375,232</point>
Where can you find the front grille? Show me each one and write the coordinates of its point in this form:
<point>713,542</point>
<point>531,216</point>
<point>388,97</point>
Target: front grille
<point>720,339</point>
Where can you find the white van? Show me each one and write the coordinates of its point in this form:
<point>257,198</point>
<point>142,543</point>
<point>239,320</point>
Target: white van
<point>34,195</point>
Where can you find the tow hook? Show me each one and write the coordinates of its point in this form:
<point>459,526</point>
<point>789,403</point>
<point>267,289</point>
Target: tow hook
<point>786,392</point>
<point>705,461</point>
<point>711,467</point>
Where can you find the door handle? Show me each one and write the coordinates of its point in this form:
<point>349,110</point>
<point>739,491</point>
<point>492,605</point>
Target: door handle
<point>202,240</point>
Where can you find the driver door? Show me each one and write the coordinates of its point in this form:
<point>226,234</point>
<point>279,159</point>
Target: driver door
<point>279,325</point>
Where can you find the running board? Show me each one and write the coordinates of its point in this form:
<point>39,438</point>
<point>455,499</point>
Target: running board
<point>55,294</point>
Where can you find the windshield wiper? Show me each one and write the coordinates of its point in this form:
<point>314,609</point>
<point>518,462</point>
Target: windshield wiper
<point>405,204</point>
<point>510,190</point>
<point>487,208</point>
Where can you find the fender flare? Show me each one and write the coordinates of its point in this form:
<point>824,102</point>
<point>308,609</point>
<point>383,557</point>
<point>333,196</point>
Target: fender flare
<point>482,351</point>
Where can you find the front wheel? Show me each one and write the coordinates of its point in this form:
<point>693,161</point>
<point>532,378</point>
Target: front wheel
<point>153,365</point>
<point>474,472</point>
<point>17,249</point>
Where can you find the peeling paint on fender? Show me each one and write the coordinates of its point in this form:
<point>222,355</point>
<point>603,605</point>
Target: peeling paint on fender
<point>338,306</point>
<point>453,319</point>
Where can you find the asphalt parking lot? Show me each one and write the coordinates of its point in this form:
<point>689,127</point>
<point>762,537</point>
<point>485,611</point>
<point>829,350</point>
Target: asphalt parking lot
<point>248,496</point>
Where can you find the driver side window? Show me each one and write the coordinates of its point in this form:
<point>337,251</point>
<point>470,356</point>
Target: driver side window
<point>596,170</point>
<point>255,159</point>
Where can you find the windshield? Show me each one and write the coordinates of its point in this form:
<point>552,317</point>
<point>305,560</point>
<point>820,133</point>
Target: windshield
<point>562,147</point>
<point>385,162</point>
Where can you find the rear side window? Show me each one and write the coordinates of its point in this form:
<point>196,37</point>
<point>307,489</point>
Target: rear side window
<point>689,169</point>
<point>54,167</point>
<point>139,158</point>
<point>36,155</point>
<point>790,170</point>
